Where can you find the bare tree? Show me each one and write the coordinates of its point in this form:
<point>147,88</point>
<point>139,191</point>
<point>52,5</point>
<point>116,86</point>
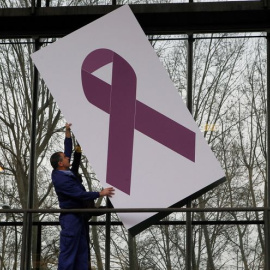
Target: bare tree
<point>16,73</point>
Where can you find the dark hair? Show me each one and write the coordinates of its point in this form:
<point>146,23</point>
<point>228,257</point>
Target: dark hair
<point>55,158</point>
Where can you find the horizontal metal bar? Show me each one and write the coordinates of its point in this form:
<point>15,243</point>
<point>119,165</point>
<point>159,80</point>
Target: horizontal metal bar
<point>155,19</point>
<point>172,222</point>
<point>137,210</point>
<point>9,42</point>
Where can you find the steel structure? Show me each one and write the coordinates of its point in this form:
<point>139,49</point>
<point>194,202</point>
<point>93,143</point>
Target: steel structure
<point>178,18</point>
<point>190,18</point>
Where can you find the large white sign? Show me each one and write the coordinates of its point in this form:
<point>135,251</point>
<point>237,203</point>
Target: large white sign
<point>129,119</point>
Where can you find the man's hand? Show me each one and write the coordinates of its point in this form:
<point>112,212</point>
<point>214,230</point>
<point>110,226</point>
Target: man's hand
<point>107,192</point>
<point>78,148</point>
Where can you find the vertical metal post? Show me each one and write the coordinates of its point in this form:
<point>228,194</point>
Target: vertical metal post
<point>131,251</point>
<point>108,238</point>
<point>190,73</point>
<point>33,6</point>
<point>267,214</point>
<point>39,231</point>
<point>190,106</point>
<point>188,238</point>
<point>27,221</point>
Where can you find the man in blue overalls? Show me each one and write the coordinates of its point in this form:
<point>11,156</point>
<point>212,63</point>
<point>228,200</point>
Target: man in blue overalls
<point>72,195</point>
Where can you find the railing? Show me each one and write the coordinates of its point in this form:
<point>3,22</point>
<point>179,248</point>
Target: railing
<point>108,223</point>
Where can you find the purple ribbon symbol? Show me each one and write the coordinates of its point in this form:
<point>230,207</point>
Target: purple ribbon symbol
<point>126,114</point>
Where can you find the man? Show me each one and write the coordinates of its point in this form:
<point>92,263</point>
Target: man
<point>72,195</point>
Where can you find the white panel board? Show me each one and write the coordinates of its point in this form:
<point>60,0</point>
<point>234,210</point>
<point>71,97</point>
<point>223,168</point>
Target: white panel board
<point>133,127</point>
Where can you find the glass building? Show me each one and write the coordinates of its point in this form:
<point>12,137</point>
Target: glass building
<point>217,55</point>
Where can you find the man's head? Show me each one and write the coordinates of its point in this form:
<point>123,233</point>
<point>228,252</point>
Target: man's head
<point>60,161</point>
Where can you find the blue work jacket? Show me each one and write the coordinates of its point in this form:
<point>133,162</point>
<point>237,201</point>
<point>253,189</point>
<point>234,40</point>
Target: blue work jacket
<point>68,187</point>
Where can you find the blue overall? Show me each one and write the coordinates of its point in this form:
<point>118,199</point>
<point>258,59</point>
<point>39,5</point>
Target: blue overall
<point>74,234</point>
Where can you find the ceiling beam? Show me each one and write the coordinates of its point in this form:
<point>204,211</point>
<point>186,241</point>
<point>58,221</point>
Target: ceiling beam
<point>180,18</point>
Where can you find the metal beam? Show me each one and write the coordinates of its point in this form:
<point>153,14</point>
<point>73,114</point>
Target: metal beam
<point>189,233</point>
<point>179,18</point>
<point>27,227</point>
<point>267,191</point>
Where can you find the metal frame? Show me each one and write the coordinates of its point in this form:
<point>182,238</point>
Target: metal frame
<point>183,18</point>
<point>27,228</point>
<point>189,242</point>
<point>117,223</point>
<point>177,18</point>
<point>267,212</point>
<point>107,224</point>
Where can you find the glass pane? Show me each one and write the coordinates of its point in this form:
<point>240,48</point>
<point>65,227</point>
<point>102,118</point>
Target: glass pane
<point>10,239</point>
<point>230,108</point>
<point>172,52</point>
<point>15,103</point>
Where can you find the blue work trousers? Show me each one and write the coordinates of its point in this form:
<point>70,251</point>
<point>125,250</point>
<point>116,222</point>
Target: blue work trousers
<point>74,246</point>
